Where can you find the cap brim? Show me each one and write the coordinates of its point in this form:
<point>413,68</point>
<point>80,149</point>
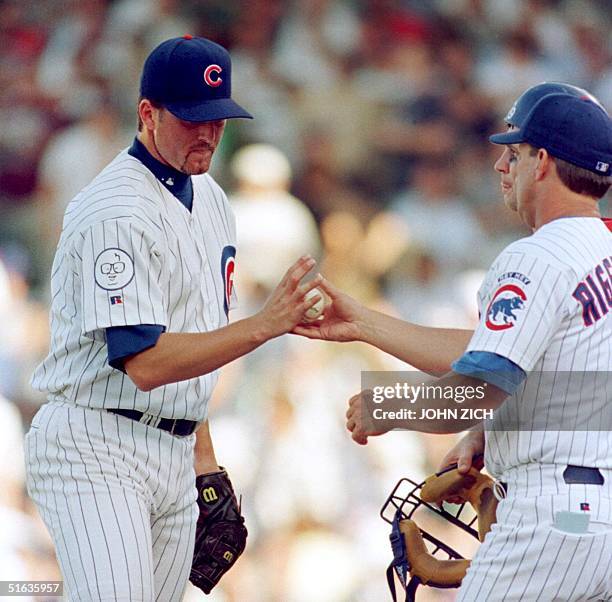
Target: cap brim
<point>511,137</point>
<point>210,110</point>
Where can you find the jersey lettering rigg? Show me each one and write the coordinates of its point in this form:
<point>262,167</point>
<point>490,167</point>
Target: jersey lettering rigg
<point>545,305</point>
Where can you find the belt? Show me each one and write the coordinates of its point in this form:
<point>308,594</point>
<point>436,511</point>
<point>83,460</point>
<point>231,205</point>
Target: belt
<point>578,475</point>
<point>175,426</point>
<point>582,475</point>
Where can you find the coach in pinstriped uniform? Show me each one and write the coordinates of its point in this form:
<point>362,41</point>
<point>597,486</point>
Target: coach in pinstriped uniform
<point>142,284</point>
<point>543,352</point>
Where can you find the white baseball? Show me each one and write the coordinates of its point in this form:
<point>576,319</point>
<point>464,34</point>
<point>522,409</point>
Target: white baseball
<point>310,315</point>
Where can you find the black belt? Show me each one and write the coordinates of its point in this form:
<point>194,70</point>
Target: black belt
<point>578,475</point>
<point>582,475</point>
<point>175,426</point>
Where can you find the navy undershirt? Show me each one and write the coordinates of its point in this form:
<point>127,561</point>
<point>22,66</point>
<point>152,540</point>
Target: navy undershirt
<point>179,184</point>
<point>125,341</point>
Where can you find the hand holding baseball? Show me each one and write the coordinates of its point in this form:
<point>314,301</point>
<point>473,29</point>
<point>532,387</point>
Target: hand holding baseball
<point>342,317</point>
<point>313,313</point>
<point>289,301</point>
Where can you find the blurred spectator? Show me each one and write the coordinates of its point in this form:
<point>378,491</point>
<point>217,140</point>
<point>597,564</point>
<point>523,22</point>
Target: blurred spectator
<point>422,129</point>
<point>438,219</point>
<point>26,552</point>
<point>32,119</point>
<point>553,32</point>
<point>154,20</point>
<point>350,131</point>
<point>77,27</point>
<point>24,332</point>
<point>522,66</point>
<point>72,158</point>
<point>325,190</point>
<point>11,452</point>
<point>272,225</point>
<point>395,59</point>
<point>313,33</point>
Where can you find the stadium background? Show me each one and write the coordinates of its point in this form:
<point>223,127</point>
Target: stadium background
<point>374,116</point>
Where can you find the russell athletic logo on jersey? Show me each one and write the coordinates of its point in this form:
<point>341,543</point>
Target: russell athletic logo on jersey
<point>594,292</point>
<point>507,300</point>
<point>228,263</point>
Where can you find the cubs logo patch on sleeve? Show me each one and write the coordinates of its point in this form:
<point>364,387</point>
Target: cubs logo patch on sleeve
<point>228,264</point>
<point>505,303</point>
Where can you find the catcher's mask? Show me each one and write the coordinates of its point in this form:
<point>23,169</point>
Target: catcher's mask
<point>421,555</point>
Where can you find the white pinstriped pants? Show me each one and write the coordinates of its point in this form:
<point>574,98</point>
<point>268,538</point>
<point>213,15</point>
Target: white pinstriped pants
<point>119,500</point>
<point>524,558</point>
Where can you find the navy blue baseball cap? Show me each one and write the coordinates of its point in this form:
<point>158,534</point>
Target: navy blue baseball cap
<point>192,78</point>
<point>569,127</point>
<point>524,103</point>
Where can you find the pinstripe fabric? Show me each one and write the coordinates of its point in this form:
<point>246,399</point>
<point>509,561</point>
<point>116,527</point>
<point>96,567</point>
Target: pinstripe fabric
<point>118,499</point>
<point>118,496</point>
<point>171,275</point>
<point>550,336</point>
<point>524,557</point>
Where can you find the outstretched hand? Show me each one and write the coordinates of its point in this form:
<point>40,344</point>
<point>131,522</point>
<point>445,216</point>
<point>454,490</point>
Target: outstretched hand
<point>286,305</point>
<point>342,319</point>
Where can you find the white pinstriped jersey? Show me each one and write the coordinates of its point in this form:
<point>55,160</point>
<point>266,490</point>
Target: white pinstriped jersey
<point>130,253</point>
<point>545,305</point>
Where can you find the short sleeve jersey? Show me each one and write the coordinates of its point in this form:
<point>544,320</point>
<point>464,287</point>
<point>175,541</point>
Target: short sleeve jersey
<point>130,253</point>
<point>545,304</point>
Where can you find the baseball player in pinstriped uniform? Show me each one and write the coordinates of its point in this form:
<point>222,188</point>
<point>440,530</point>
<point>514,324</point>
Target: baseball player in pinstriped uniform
<point>141,289</point>
<point>545,307</point>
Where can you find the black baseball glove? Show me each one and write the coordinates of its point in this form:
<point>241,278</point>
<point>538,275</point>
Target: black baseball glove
<point>220,532</point>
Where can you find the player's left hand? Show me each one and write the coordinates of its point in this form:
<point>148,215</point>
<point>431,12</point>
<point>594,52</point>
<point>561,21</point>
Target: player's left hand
<point>359,419</point>
<point>286,306</point>
<point>343,319</point>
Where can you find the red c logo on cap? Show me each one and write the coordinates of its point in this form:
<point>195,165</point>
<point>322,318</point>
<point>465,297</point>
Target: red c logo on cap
<point>209,71</point>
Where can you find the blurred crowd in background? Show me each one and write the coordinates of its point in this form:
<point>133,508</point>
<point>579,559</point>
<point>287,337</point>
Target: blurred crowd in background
<point>368,150</point>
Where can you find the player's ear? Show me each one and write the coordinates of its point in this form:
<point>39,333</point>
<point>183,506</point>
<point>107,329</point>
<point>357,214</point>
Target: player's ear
<point>543,165</point>
<point>147,113</point>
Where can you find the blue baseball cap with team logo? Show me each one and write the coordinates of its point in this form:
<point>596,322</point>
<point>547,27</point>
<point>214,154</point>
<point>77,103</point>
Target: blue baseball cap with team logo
<point>192,78</point>
<point>524,103</point>
<point>571,128</point>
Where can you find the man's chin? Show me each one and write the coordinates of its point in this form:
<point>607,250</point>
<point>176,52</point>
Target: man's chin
<point>196,168</point>
<point>510,203</point>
